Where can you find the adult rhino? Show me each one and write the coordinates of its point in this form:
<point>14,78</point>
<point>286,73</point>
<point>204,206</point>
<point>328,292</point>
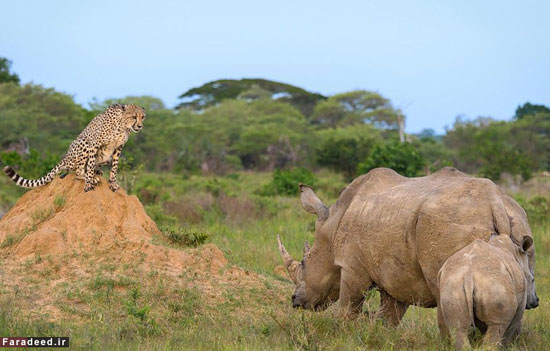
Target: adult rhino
<point>395,233</point>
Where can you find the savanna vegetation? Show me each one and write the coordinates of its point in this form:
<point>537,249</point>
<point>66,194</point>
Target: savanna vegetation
<point>223,167</point>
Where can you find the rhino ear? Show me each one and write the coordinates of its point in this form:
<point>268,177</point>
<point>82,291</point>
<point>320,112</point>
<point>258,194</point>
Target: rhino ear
<point>526,243</point>
<point>311,202</point>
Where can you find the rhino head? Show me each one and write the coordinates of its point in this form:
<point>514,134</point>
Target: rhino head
<point>521,253</point>
<point>317,278</point>
<point>520,250</point>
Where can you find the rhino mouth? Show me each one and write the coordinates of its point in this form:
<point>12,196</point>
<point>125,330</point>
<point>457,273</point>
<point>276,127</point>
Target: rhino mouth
<point>320,306</point>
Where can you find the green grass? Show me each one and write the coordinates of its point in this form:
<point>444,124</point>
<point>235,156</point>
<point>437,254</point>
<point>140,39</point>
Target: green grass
<point>59,202</point>
<point>123,308</point>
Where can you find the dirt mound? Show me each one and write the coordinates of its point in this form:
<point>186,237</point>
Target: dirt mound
<point>62,218</point>
<point>59,237</point>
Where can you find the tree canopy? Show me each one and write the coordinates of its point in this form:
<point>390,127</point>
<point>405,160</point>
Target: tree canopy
<point>259,124</point>
<point>213,93</point>
<point>358,106</point>
<point>530,109</point>
<point>5,75</point>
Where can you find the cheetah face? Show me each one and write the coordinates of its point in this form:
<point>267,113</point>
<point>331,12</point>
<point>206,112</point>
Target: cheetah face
<point>135,118</point>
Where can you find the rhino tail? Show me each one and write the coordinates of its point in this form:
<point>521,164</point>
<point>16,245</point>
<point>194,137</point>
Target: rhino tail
<point>469,296</point>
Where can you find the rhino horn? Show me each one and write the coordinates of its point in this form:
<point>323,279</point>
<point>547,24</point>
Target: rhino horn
<point>311,202</point>
<point>292,266</point>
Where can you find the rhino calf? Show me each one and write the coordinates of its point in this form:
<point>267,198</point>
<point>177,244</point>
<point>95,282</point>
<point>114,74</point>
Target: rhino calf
<point>486,284</point>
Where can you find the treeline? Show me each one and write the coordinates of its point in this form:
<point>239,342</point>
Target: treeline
<point>256,124</point>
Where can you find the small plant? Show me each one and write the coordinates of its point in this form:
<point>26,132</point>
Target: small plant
<point>132,307</point>
<point>12,239</point>
<point>537,208</point>
<point>185,306</point>
<point>58,202</point>
<point>286,182</point>
<point>41,215</point>
<point>178,236</point>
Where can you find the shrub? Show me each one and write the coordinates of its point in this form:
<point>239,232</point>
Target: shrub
<point>286,182</point>
<point>342,149</point>
<point>180,237</point>
<point>499,161</point>
<point>33,165</point>
<point>401,157</point>
<point>537,208</point>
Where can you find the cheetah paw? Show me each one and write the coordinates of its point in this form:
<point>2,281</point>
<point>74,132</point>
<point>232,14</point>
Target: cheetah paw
<point>89,187</point>
<point>96,180</point>
<point>113,186</point>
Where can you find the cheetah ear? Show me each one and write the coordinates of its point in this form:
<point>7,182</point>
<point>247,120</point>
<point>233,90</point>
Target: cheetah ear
<point>123,106</point>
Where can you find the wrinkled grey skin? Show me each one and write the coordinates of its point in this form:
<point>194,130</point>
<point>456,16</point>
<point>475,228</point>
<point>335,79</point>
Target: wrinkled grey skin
<point>395,233</point>
<point>488,284</point>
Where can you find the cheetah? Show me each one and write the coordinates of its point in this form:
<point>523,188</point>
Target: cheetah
<point>100,142</point>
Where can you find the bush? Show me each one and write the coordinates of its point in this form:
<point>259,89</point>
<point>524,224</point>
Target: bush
<point>342,149</point>
<point>180,237</point>
<point>33,166</point>
<point>511,161</point>
<point>286,182</point>
<point>401,157</point>
<point>537,208</point>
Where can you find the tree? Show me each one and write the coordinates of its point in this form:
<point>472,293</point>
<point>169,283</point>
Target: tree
<point>356,107</point>
<point>262,134</point>
<point>342,149</point>
<point>48,119</point>
<point>434,152</point>
<point>330,113</point>
<point>401,157</point>
<point>213,93</point>
<point>426,133</point>
<point>149,103</point>
<point>487,147</point>
<point>531,135</point>
<point>530,109</point>
<point>5,75</point>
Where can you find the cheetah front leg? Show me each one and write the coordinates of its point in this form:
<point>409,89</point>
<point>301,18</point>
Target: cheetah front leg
<point>98,175</point>
<point>113,185</point>
<point>80,168</point>
<point>90,170</point>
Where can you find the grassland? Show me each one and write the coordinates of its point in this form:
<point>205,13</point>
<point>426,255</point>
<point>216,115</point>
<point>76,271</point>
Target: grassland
<point>132,310</point>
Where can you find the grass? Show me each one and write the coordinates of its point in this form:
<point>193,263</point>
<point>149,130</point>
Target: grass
<point>120,307</point>
<point>58,202</point>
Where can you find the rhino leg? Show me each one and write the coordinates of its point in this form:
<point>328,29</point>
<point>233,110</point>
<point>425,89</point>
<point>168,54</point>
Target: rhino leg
<point>352,293</point>
<point>391,310</point>
<point>494,336</point>
<point>514,329</point>
<point>443,330</point>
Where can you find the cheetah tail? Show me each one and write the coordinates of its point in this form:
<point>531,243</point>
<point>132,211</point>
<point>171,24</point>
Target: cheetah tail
<point>34,183</point>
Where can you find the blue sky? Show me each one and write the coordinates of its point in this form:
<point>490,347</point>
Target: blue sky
<point>434,59</point>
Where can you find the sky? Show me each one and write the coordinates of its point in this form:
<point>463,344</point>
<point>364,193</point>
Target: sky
<point>433,59</point>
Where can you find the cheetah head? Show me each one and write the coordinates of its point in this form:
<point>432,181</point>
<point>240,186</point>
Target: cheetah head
<point>133,117</point>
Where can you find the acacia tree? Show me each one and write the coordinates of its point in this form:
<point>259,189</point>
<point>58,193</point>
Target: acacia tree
<point>5,75</point>
<point>213,93</point>
<point>356,107</point>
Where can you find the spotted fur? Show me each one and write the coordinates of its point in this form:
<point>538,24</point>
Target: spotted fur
<point>100,142</point>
